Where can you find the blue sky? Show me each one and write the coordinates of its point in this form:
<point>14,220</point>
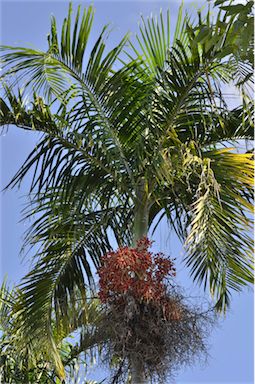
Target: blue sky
<point>23,23</point>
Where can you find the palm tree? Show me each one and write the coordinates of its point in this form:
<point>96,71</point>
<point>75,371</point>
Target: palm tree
<point>130,136</point>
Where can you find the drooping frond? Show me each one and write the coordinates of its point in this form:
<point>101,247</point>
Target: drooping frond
<point>216,254</point>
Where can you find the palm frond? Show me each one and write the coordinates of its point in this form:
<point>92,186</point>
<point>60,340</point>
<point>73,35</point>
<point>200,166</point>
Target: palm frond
<point>154,41</point>
<point>24,361</point>
<point>216,255</point>
<point>69,239</point>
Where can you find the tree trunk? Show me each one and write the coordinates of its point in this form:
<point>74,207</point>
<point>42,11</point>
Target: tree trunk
<point>141,219</point>
<point>137,373</point>
<point>140,229</point>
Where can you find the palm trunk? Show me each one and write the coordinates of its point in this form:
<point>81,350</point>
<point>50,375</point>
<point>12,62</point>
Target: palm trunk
<point>140,229</point>
<point>141,217</point>
<point>137,373</point>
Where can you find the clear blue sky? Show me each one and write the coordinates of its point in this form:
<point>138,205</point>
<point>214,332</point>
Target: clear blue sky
<point>22,23</point>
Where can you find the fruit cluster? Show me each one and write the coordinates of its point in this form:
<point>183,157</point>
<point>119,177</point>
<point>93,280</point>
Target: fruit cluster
<point>136,272</point>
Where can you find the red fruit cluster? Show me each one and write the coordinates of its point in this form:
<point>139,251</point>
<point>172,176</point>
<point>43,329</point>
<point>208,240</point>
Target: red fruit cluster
<point>135,271</point>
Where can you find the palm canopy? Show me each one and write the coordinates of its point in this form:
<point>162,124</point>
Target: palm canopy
<point>129,136</point>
